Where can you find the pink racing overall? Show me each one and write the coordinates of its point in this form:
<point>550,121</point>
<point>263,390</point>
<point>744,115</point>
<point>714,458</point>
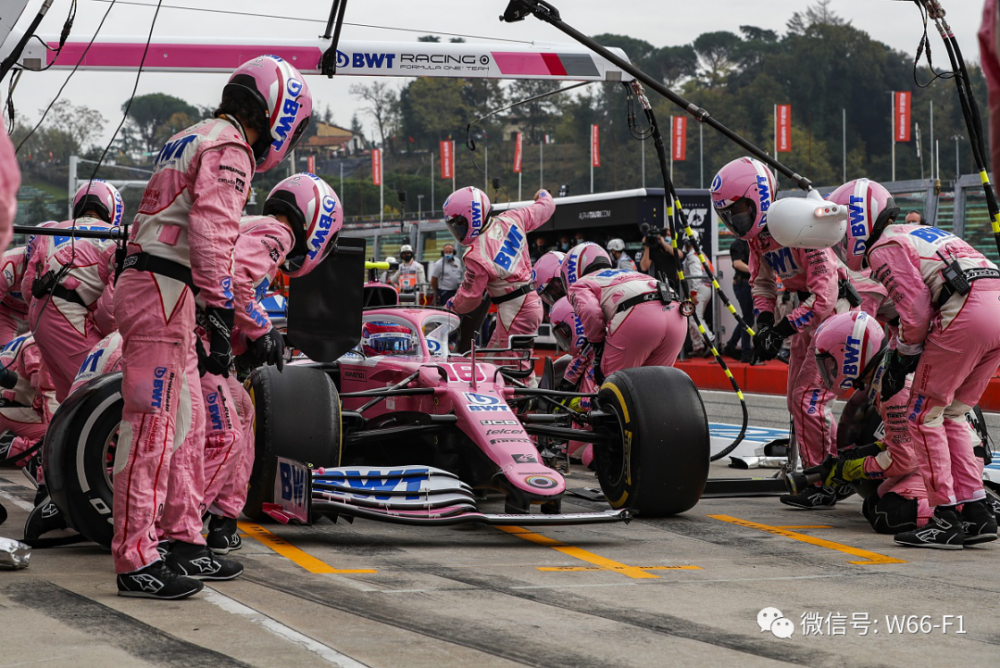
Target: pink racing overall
<point>188,220</point>
<point>497,262</point>
<point>64,321</point>
<point>10,183</point>
<point>229,446</point>
<point>13,306</point>
<point>805,271</point>
<point>646,334</point>
<point>896,466</point>
<point>21,407</point>
<point>958,339</point>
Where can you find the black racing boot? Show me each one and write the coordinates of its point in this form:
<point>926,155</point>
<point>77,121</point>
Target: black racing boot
<point>978,523</point>
<point>813,497</point>
<point>45,517</point>
<point>6,440</point>
<point>157,581</point>
<point>197,561</point>
<point>943,532</point>
<point>993,501</point>
<point>222,535</point>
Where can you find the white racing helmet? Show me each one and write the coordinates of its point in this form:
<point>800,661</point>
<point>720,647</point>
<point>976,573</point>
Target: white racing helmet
<point>616,245</point>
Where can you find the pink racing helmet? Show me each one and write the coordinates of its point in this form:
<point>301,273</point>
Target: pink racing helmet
<point>581,260</point>
<point>546,277</point>
<point>742,192</point>
<point>316,215</point>
<point>285,101</point>
<point>567,329</point>
<point>100,195</point>
<point>465,213</point>
<point>846,345</point>
<point>872,208</point>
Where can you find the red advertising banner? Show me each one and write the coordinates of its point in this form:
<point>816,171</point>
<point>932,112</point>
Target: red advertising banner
<point>447,160</point>
<point>783,123</point>
<point>595,146</point>
<point>377,166</point>
<point>902,115</point>
<point>679,132</point>
<point>517,154</point>
<point>311,164</point>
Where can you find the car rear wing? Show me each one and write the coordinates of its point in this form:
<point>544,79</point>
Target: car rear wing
<point>415,495</point>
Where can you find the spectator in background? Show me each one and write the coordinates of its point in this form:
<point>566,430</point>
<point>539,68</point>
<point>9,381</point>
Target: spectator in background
<point>915,218</point>
<point>658,259</point>
<point>739,253</point>
<point>700,293</point>
<point>580,238</point>
<point>446,275</point>
<point>565,243</point>
<point>387,275</point>
<point>619,258</point>
<point>411,273</point>
<point>539,249</point>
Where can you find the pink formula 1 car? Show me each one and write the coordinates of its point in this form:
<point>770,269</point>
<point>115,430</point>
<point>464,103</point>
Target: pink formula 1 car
<point>380,419</point>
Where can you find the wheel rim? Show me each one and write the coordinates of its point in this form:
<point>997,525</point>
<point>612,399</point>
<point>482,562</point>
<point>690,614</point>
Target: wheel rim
<point>110,450</point>
<point>614,452</point>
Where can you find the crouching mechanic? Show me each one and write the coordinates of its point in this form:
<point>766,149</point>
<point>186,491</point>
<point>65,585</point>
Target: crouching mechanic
<point>182,244</point>
<point>497,261</point>
<point>71,286</point>
<point>947,296</point>
<point>742,192</point>
<point>13,306</point>
<point>850,350</point>
<point>300,227</point>
<point>629,318</point>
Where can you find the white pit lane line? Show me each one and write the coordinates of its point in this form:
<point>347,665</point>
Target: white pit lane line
<point>17,501</point>
<point>325,652</point>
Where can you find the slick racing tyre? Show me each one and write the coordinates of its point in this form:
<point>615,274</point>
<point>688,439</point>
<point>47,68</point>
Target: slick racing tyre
<point>297,415</point>
<point>658,458</point>
<point>79,453</point>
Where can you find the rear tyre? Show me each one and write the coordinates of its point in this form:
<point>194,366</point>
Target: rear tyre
<point>78,457</point>
<point>657,463</point>
<point>297,415</point>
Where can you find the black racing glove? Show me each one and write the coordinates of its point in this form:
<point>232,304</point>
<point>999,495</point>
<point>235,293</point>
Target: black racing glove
<point>268,349</point>
<point>768,340</point>
<point>218,359</point>
<point>8,379</point>
<point>598,358</point>
<point>897,368</point>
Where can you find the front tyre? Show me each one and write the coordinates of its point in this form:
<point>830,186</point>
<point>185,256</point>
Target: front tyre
<point>297,415</point>
<point>79,455</point>
<point>657,461</point>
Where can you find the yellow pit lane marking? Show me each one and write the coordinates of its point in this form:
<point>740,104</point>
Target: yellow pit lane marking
<point>870,558</point>
<point>602,564</point>
<point>802,526</point>
<point>292,553</point>
<point>599,568</point>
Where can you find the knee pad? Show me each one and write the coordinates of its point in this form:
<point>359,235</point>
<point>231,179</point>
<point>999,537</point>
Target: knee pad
<point>890,513</point>
<point>932,418</point>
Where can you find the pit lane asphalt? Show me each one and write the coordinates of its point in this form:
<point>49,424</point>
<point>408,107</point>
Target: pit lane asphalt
<point>683,591</point>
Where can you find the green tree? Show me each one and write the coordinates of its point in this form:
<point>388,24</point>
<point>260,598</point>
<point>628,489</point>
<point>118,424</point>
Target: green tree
<point>150,115</point>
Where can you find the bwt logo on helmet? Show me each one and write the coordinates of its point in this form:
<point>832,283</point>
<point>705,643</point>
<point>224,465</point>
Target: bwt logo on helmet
<point>477,216</point>
<point>716,183</point>
<point>859,228</point>
<point>510,248</point>
<point>852,357</point>
<point>322,230</point>
<point>289,110</point>
<point>571,265</point>
<point>764,196</point>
